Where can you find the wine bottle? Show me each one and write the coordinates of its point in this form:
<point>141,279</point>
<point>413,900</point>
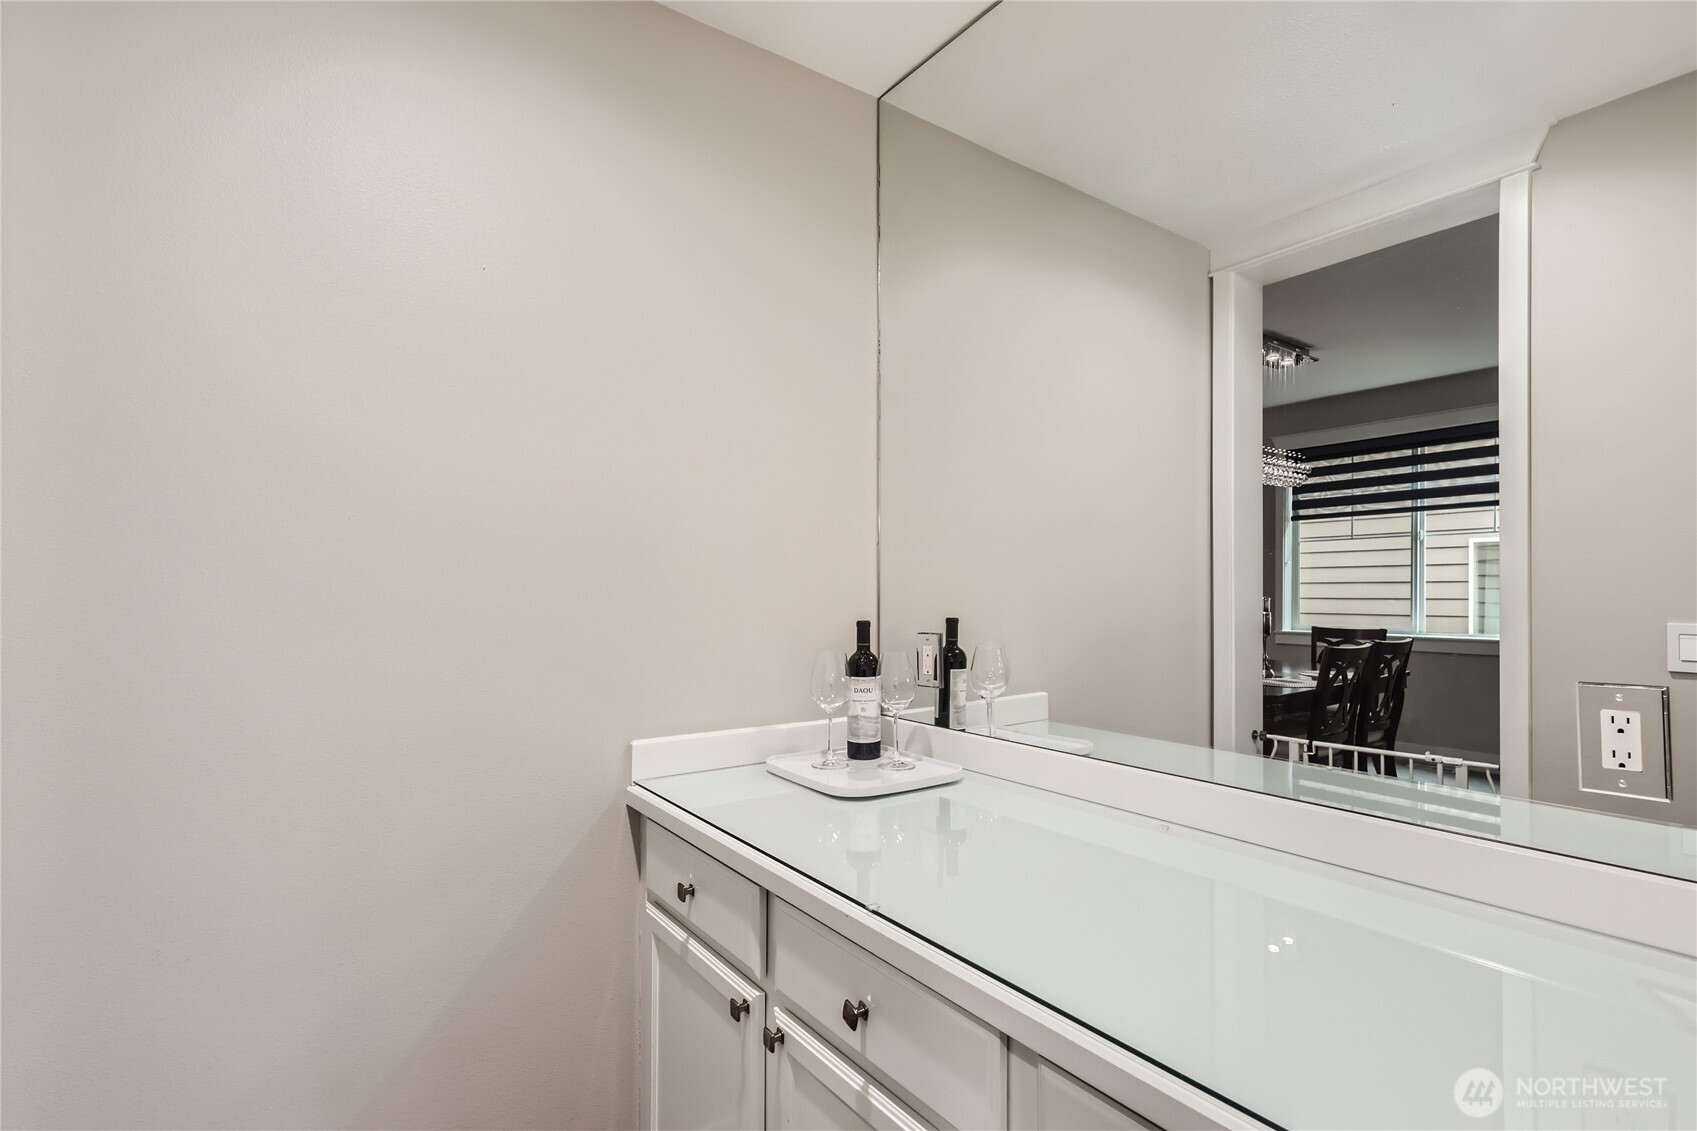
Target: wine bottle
<point>951,687</point>
<point>865,729</point>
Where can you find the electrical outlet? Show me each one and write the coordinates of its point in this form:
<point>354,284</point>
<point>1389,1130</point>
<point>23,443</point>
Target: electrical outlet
<point>1622,745</point>
<point>1625,745</point>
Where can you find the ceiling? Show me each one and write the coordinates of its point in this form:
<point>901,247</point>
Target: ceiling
<point>866,44</point>
<point>1425,308</point>
<point>1212,119</point>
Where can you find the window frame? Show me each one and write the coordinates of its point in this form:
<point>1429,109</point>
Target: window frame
<point>1290,581</point>
<point>1473,544</point>
<point>1288,628</point>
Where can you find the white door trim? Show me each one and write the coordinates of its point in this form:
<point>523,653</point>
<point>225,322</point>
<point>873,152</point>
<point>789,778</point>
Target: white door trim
<point>1425,200</point>
<point>1237,436</point>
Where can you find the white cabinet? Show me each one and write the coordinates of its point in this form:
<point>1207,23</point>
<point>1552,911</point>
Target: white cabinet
<point>1042,1097</point>
<point>705,1061</point>
<point>810,1088</point>
<point>759,1015</point>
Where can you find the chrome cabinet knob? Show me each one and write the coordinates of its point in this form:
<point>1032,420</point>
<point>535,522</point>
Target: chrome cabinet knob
<point>739,1008</point>
<point>771,1038</point>
<point>685,891</point>
<point>853,1013</point>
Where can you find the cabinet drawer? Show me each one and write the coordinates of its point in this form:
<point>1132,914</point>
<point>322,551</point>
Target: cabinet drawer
<point>810,1088</point>
<point>714,902</point>
<point>945,1058</point>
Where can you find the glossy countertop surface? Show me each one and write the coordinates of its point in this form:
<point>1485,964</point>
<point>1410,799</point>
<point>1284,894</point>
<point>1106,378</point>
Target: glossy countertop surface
<point>1641,844</point>
<point>1306,994</point>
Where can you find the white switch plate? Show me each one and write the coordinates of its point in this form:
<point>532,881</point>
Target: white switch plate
<point>1622,744</point>
<point>1682,647</point>
<point>930,654</point>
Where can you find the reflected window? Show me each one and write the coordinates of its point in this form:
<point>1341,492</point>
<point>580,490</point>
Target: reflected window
<point>1401,533</point>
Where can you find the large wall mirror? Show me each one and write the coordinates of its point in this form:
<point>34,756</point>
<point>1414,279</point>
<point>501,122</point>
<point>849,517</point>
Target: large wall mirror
<point>1303,396</point>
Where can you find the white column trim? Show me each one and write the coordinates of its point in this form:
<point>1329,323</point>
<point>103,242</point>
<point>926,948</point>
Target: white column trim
<point>1514,407</point>
<point>1236,511</point>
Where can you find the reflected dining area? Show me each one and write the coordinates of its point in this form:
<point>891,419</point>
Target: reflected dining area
<point>1345,709</point>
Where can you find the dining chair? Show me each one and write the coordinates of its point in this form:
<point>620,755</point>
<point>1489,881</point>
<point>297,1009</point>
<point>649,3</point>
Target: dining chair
<point>1319,637</point>
<point>1337,694</point>
<point>1382,691</point>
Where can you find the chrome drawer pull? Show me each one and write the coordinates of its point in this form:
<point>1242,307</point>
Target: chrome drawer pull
<point>685,891</point>
<point>853,1014</point>
<point>771,1038</point>
<point>739,1009</point>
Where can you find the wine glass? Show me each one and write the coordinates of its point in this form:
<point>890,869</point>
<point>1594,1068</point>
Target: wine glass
<point>830,691</point>
<point>896,687</point>
<point>989,678</point>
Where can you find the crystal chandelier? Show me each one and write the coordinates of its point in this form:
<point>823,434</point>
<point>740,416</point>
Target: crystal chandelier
<point>1280,359</point>
<point>1281,467</point>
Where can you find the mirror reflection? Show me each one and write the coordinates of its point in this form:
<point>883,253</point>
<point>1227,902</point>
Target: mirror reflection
<point>1331,437</point>
<point>1381,519</point>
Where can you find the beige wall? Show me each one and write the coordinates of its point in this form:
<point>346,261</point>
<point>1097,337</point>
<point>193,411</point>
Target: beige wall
<point>1614,422</point>
<point>1044,433</point>
<point>405,407</point>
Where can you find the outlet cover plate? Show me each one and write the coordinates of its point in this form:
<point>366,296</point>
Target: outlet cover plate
<point>1655,781</point>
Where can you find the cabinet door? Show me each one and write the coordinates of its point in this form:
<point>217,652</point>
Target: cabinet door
<point>705,1062</point>
<point>810,1088</point>
<point>1042,1097</point>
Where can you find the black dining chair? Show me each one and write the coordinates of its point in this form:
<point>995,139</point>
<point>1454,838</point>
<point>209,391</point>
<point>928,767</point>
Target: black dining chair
<point>1319,637</point>
<point>1382,690</point>
<point>1337,694</point>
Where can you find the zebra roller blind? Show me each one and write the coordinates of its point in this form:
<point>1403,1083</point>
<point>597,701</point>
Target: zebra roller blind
<point>1437,470</point>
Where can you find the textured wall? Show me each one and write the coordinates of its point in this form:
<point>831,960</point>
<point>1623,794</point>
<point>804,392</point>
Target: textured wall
<point>405,407</point>
<point>1614,424</point>
<point>1045,433</point>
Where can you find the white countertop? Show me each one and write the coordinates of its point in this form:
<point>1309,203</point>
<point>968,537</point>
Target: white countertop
<point>1309,995</point>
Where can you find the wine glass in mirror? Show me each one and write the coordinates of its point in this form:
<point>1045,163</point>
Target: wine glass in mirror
<point>989,679</point>
<point>896,687</point>
<point>830,691</point>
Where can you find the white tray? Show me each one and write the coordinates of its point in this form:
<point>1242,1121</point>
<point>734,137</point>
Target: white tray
<point>862,779</point>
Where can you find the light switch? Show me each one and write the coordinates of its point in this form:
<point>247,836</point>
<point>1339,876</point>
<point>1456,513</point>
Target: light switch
<point>1682,647</point>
